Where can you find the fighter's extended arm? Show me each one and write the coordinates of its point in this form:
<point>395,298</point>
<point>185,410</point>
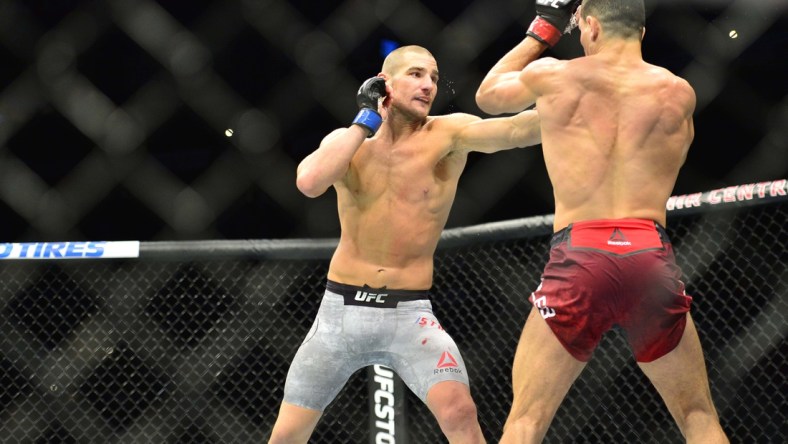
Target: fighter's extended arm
<point>501,133</point>
<point>331,160</point>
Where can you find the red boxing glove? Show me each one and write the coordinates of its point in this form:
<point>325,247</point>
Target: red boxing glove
<point>552,20</point>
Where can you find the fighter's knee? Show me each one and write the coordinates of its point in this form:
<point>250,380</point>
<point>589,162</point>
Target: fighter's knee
<point>457,414</point>
<point>696,414</point>
<point>701,425</point>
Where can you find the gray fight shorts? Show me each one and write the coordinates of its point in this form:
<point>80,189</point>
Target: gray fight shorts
<point>359,326</point>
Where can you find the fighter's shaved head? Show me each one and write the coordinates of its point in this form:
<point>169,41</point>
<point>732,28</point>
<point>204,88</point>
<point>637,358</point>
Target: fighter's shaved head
<point>396,59</point>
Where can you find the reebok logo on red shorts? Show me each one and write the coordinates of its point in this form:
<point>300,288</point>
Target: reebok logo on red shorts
<point>618,238</point>
<point>621,236</point>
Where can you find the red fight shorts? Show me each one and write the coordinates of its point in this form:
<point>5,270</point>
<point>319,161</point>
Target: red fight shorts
<point>621,272</point>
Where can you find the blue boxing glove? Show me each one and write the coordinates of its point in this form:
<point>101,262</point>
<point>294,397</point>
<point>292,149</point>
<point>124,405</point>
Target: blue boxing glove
<point>553,18</point>
<point>367,98</point>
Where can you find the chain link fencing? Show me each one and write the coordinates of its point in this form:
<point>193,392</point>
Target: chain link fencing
<point>191,342</point>
<point>186,119</point>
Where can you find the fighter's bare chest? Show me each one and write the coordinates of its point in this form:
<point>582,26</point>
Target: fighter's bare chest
<point>399,173</point>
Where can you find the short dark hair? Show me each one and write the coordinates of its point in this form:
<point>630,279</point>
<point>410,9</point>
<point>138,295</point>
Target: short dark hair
<point>620,18</point>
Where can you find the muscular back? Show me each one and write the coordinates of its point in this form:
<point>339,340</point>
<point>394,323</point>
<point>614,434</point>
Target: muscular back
<point>614,135</point>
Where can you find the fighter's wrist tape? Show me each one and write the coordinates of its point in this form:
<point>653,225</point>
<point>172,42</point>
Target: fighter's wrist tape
<point>544,31</point>
<point>369,119</point>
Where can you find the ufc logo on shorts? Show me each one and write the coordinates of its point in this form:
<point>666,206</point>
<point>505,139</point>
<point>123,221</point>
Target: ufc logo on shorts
<point>363,296</point>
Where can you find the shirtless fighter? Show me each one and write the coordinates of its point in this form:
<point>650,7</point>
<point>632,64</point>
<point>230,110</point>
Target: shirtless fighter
<point>395,177</point>
<point>615,131</point>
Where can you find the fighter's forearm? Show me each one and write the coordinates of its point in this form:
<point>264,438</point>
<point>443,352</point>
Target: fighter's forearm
<point>527,128</point>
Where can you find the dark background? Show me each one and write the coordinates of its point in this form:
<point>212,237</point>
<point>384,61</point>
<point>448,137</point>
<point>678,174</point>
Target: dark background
<point>113,114</point>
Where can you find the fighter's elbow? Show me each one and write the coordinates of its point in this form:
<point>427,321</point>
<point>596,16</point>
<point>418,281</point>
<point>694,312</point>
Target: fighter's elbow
<point>308,186</point>
<point>487,102</point>
<point>482,101</point>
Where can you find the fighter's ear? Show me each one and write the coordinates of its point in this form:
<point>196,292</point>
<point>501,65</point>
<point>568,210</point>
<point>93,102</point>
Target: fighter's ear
<point>594,26</point>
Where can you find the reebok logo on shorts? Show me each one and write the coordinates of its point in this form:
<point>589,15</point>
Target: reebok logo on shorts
<point>447,364</point>
<point>621,237</point>
<point>447,360</point>
<point>618,238</point>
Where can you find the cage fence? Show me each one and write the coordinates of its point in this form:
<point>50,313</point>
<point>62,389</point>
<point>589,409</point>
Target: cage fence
<point>191,341</point>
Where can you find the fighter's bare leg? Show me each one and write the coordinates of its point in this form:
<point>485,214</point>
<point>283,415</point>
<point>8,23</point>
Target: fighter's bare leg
<point>453,407</point>
<point>542,374</point>
<point>294,425</point>
<point>680,378</point>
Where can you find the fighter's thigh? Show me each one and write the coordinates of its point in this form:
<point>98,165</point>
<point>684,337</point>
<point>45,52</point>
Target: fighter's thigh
<point>543,370</point>
<point>426,354</point>
<point>320,368</point>
<point>680,375</point>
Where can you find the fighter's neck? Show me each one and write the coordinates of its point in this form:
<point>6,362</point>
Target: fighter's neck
<point>624,49</point>
<point>398,125</point>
